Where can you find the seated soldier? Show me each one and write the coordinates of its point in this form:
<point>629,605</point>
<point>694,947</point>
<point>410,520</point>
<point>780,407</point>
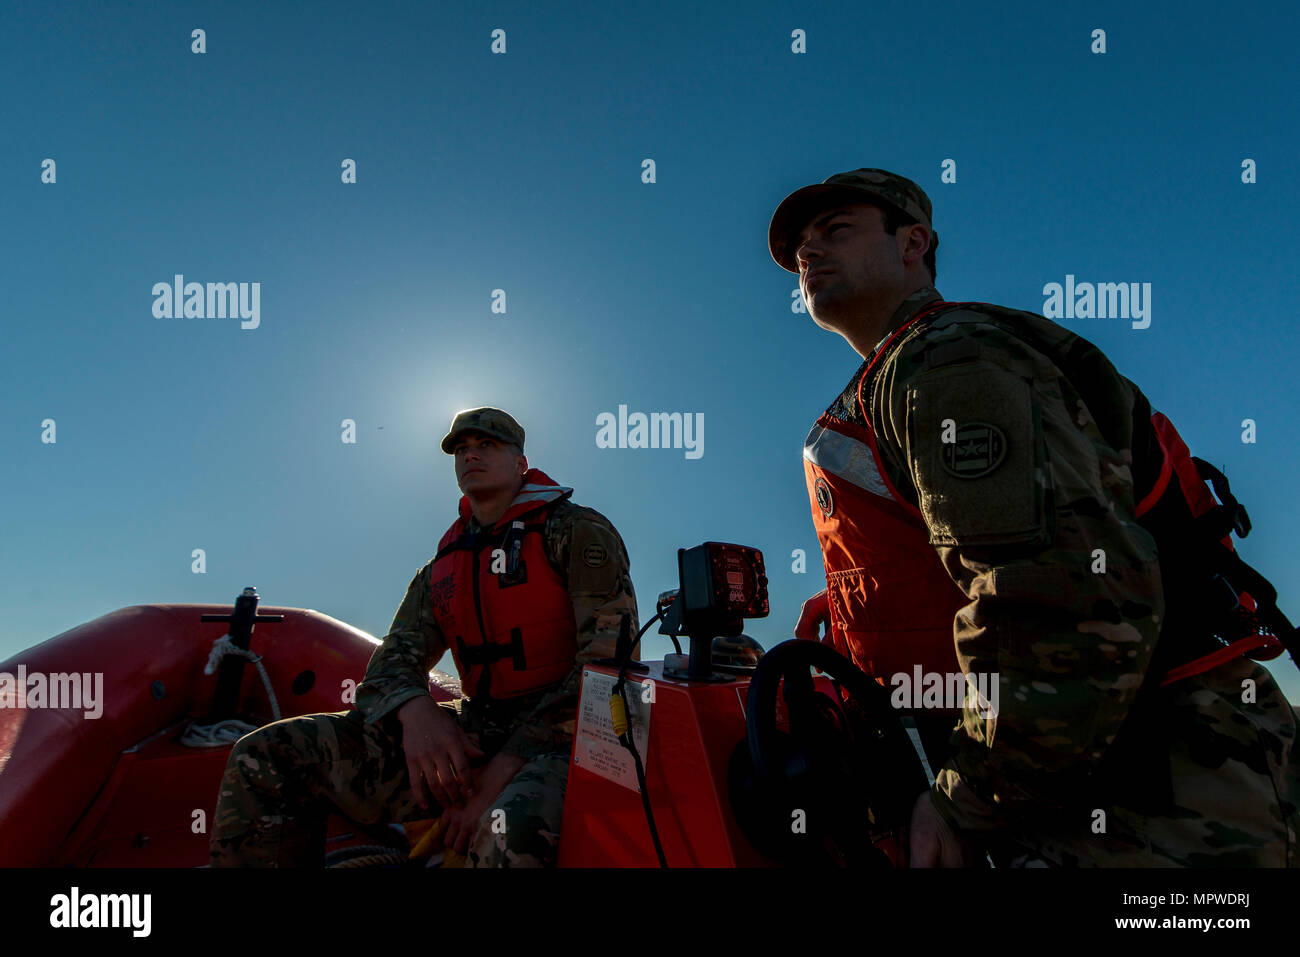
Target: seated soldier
<point>526,587</point>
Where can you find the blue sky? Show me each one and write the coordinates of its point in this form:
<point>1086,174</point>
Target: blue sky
<point>523,172</point>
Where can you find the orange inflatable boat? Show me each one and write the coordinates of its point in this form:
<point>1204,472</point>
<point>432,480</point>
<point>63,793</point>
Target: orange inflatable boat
<point>114,736</point>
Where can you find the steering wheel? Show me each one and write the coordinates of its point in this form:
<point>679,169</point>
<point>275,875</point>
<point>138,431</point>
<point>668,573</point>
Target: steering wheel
<point>841,782</point>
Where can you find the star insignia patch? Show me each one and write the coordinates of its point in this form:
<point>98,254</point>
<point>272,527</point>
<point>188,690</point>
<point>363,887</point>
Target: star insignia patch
<point>979,449</point>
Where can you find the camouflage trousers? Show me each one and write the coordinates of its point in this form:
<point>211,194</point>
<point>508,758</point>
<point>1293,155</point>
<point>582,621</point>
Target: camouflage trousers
<point>1234,770</point>
<point>282,781</point>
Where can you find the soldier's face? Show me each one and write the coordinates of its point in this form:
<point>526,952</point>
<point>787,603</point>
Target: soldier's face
<point>848,265</point>
<point>485,464</point>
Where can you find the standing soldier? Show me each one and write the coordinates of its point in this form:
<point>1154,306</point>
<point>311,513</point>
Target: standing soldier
<point>526,587</point>
<point>993,497</point>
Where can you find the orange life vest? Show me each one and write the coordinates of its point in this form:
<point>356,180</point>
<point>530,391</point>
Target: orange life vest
<point>892,603</point>
<point>511,631</point>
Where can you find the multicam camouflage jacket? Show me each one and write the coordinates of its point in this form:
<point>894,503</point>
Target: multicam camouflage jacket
<point>540,722</point>
<point>1071,646</point>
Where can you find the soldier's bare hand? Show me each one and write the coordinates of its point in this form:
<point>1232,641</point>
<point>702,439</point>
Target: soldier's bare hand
<point>931,842</point>
<point>816,611</point>
<point>437,753</point>
<point>460,823</point>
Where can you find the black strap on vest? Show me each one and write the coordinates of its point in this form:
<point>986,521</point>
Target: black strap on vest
<point>491,653</point>
<point>481,539</point>
<point>487,655</point>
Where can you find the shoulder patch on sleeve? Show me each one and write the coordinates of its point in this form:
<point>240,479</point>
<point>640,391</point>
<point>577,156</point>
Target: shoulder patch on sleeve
<point>599,561</point>
<point>978,459</point>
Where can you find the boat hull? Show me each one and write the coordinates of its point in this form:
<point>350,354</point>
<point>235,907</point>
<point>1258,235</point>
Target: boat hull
<point>118,789</point>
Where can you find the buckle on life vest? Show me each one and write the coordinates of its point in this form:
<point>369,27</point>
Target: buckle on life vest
<point>1231,515</point>
<point>492,652</point>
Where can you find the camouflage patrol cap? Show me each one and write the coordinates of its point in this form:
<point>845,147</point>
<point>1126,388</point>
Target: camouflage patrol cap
<point>857,186</point>
<point>492,421</point>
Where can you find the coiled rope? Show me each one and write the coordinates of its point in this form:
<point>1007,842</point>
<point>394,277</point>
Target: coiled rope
<point>231,729</point>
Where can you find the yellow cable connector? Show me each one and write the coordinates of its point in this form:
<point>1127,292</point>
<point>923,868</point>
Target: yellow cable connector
<point>618,712</point>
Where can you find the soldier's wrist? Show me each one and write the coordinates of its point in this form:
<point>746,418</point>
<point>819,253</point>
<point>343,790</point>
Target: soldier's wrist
<point>413,705</point>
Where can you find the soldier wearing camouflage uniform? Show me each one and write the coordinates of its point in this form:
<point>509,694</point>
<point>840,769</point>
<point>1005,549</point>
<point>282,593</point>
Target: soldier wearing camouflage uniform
<point>1007,445</point>
<point>499,752</point>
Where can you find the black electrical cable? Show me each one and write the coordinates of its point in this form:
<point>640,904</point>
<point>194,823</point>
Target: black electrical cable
<point>625,739</point>
<point>622,668</point>
<point>673,638</point>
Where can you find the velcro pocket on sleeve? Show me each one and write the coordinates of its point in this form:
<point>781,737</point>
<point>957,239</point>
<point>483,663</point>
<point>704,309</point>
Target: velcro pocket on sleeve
<point>978,458</point>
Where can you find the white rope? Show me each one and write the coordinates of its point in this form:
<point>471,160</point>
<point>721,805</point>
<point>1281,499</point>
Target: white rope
<point>230,730</point>
<point>225,646</point>
<point>215,735</point>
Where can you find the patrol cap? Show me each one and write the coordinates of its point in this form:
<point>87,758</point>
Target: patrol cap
<point>857,186</point>
<point>486,419</point>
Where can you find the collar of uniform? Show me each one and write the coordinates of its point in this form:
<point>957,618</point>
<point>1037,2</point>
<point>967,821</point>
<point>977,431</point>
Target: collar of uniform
<point>537,487</point>
<point>909,307</point>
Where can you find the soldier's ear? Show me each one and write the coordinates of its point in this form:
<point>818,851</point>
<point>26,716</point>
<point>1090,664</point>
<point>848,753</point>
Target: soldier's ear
<point>915,240</point>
